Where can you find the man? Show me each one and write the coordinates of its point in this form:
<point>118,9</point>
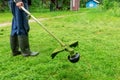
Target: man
<point>20,28</point>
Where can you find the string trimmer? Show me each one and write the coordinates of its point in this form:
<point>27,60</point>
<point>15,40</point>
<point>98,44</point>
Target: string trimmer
<point>73,57</point>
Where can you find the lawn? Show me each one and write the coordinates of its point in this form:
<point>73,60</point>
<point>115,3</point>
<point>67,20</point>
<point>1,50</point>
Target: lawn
<point>98,34</point>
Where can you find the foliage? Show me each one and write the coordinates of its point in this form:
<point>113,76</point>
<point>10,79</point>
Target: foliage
<point>112,7</point>
<point>3,5</point>
<point>39,5</point>
<point>107,4</point>
<point>115,10</point>
<point>82,3</point>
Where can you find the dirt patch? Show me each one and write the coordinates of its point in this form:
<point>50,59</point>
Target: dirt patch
<point>31,20</point>
<point>5,24</point>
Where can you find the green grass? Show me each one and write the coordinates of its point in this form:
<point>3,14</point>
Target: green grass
<point>5,17</point>
<point>98,34</point>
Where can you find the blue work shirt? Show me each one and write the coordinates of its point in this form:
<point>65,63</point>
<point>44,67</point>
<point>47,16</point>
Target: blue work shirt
<point>20,24</point>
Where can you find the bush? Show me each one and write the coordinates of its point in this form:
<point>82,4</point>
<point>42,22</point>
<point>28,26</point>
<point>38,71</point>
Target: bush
<point>110,4</point>
<point>3,5</point>
<point>115,9</point>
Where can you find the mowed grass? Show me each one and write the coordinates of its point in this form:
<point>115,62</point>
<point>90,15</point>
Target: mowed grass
<point>98,34</point>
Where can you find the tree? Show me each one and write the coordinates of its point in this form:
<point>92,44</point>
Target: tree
<point>59,4</point>
<point>3,4</point>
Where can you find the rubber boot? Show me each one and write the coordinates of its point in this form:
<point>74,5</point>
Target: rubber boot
<point>14,45</point>
<point>24,46</point>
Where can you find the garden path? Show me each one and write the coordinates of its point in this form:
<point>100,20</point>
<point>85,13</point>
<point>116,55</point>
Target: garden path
<point>31,20</point>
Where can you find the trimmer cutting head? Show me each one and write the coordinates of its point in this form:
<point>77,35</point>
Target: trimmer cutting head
<point>73,57</point>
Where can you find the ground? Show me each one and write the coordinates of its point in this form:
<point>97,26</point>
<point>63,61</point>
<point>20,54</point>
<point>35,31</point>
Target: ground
<point>99,46</point>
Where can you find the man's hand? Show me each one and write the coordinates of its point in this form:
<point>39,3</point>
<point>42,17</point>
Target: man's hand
<point>19,4</point>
